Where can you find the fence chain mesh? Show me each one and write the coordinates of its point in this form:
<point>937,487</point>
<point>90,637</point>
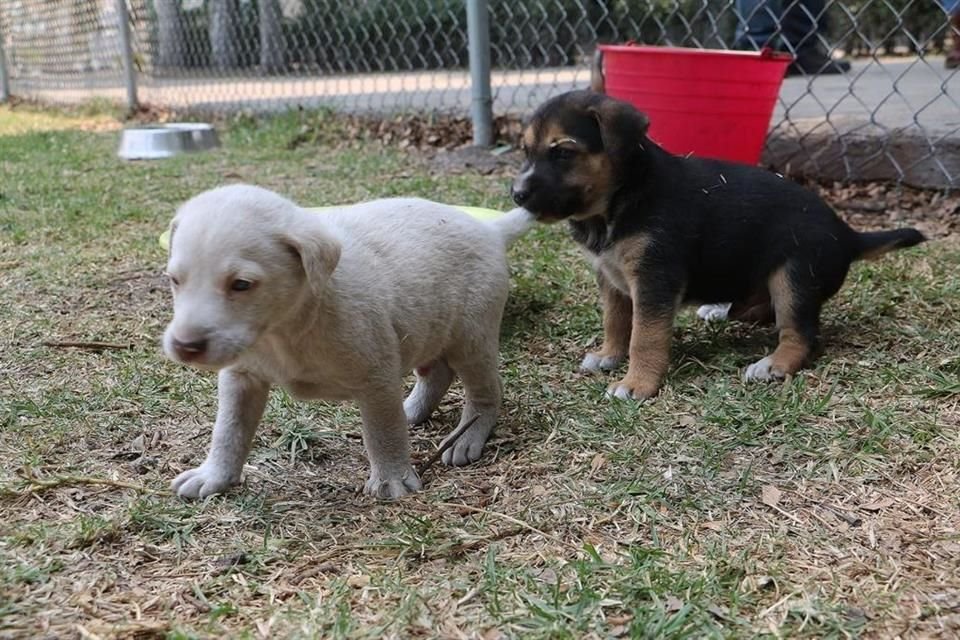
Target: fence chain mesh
<point>403,55</point>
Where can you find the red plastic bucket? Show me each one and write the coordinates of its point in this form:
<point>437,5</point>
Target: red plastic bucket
<point>712,103</point>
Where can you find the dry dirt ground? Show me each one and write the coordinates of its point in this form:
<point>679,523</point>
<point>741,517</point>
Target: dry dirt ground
<point>828,506</point>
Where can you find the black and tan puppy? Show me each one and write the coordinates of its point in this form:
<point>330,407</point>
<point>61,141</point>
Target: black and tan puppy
<point>663,230</point>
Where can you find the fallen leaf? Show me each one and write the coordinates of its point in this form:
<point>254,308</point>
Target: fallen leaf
<point>264,626</point>
<point>138,444</point>
<point>232,560</point>
<point>756,583</point>
<point>770,495</point>
<point>597,462</point>
<point>358,581</point>
<point>719,612</point>
<point>620,619</point>
<point>673,603</point>
<point>713,526</point>
<point>687,421</point>
<point>548,576</point>
<point>877,505</point>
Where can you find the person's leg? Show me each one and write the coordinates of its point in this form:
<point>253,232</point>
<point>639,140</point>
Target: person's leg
<point>952,7</point>
<point>757,23</point>
<point>803,22</point>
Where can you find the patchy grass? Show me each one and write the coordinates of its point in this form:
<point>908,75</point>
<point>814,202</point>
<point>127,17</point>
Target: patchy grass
<point>824,507</point>
<point>26,118</point>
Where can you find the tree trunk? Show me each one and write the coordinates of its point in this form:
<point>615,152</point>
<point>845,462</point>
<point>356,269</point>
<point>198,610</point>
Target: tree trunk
<point>171,39</point>
<point>271,36</point>
<point>224,34</point>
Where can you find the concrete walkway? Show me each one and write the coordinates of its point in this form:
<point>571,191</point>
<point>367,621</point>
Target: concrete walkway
<point>894,118</point>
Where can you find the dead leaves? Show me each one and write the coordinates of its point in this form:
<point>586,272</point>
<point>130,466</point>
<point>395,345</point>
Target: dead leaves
<point>877,505</point>
<point>770,495</point>
<point>422,132</point>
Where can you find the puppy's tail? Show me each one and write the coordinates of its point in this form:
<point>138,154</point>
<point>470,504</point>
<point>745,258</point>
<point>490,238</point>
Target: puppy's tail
<point>513,224</point>
<point>873,244</point>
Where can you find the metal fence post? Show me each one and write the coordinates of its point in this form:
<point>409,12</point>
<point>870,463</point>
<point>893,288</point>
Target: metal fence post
<point>4,78</point>
<point>126,52</point>
<point>481,103</point>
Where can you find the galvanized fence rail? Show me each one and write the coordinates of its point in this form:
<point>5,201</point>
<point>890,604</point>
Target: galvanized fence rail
<point>894,115</point>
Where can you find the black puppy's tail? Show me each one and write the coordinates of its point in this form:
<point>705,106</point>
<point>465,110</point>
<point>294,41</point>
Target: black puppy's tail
<point>873,244</point>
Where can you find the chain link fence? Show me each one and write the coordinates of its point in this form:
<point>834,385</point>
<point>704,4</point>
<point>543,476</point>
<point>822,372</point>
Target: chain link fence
<point>894,115</point>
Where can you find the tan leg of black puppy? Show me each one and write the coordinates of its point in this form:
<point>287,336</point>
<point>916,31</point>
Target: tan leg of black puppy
<point>753,312</point>
<point>617,320</point>
<point>649,355</point>
<point>797,322</point>
<point>654,294</point>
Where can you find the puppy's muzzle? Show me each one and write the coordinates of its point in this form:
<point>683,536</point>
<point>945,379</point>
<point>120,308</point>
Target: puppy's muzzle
<point>522,188</point>
<point>521,195</point>
<point>191,350</point>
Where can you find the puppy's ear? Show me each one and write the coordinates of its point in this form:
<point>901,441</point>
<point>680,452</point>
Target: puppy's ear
<point>622,126</point>
<point>318,251</point>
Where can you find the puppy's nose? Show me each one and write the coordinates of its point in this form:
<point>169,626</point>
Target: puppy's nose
<point>520,195</point>
<point>189,350</point>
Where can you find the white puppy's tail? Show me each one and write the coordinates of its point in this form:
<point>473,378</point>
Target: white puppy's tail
<point>513,224</point>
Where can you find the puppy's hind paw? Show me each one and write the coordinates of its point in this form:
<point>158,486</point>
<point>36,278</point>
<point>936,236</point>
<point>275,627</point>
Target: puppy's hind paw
<point>763,370</point>
<point>203,481</point>
<point>469,446</point>
<point>392,485</point>
<point>714,312</point>
<point>598,361</point>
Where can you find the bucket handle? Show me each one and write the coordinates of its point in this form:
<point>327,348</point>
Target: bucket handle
<point>769,53</point>
<point>766,53</point>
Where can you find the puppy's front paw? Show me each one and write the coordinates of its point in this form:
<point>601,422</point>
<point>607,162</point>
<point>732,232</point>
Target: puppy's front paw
<point>631,388</point>
<point>202,481</point>
<point>392,485</point>
<point>714,312</point>
<point>600,361</point>
<point>763,370</point>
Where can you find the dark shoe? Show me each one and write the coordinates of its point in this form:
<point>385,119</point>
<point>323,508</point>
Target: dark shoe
<point>953,60</point>
<point>811,62</point>
<point>953,56</point>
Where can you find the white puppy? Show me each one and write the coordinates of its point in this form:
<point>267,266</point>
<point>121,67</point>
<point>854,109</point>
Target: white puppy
<point>338,305</point>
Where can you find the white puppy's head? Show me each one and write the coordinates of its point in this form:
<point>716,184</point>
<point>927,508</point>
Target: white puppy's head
<point>242,260</point>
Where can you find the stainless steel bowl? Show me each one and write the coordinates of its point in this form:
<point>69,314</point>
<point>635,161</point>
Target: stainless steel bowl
<point>165,140</point>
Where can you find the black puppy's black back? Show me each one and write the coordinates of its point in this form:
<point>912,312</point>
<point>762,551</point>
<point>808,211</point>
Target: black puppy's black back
<point>730,226</point>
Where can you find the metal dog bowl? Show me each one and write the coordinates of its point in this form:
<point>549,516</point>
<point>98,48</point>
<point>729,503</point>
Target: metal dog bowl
<point>166,140</point>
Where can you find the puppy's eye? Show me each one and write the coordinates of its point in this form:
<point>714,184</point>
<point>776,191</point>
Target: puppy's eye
<point>562,153</point>
<point>240,285</point>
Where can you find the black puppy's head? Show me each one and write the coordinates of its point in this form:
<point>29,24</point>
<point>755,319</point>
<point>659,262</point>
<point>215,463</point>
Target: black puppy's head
<point>578,146</point>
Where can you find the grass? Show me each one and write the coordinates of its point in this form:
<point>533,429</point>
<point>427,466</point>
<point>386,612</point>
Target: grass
<point>824,507</point>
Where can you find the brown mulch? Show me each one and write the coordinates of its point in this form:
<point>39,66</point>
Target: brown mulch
<point>421,132</point>
<point>445,144</point>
